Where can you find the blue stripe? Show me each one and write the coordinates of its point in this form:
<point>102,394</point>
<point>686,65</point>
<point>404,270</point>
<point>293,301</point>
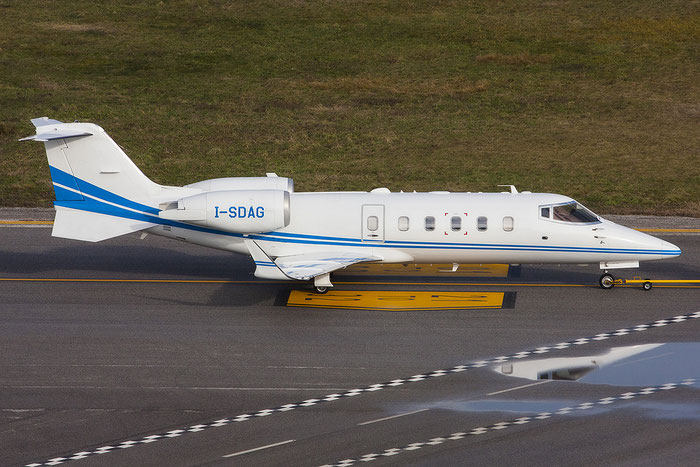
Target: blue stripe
<point>411,244</point>
<point>101,207</point>
<point>87,188</point>
<point>438,246</point>
<point>67,180</point>
<point>66,195</point>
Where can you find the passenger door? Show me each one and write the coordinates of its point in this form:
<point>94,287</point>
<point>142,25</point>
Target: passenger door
<point>373,222</point>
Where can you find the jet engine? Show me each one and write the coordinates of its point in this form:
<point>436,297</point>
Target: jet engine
<point>240,211</point>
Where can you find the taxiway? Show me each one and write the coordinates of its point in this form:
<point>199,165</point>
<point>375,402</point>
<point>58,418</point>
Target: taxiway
<point>153,352</point>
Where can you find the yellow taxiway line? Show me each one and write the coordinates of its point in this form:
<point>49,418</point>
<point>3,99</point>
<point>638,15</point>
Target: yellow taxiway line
<point>16,222</point>
<point>258,282</point>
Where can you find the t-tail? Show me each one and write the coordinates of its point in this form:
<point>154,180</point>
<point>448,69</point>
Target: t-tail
<point>100,193</point>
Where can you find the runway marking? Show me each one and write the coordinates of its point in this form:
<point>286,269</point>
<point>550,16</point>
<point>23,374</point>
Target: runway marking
<point>401,300</point>
<point>25,223</point>
<point>259,282</point>
<point>463,270</point>
<point>476,431</point>
<point>670,230</point>
<point>260,448</point>
<point>519,387</point>
<point>380,386</point>
<point>393,416</point>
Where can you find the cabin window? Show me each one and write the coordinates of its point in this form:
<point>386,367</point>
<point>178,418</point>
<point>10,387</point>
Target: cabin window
<point>456,223</point>
<point>544,212</point>
<point>403,223</point>
<point>508,223</point>
<point>429,223</point>
<point>372,223</point>
<point>481,223</point>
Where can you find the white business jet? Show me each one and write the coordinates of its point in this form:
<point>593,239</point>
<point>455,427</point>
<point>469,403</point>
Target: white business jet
<point>100,194</point>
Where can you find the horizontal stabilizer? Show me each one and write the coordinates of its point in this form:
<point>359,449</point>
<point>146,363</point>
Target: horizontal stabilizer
<point>44,121</point>
<point>92,226</point>
<point>55,134</point>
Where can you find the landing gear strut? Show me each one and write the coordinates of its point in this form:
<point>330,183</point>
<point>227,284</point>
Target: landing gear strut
<point>322,283</point>
<point>606,281</point>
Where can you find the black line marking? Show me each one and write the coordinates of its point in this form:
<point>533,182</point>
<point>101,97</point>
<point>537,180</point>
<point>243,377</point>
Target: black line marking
<point>509,300</point>
<point>514,271</point>
<point>282,297</point>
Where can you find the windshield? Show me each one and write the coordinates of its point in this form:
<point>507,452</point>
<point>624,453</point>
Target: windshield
<point>573,212</point>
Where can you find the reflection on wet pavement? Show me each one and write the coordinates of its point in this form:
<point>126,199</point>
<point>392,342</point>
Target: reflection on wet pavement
<point>638,365</point>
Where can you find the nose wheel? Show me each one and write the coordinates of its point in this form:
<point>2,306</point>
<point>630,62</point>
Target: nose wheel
<point>606,281</point>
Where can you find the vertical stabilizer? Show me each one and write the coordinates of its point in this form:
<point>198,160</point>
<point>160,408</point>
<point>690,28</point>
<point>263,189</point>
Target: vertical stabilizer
<point>91,174</point>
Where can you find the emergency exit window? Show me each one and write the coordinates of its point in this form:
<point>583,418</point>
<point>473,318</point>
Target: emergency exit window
<point>456,223</point>
<point>372,223</point>
<point>429,223</point>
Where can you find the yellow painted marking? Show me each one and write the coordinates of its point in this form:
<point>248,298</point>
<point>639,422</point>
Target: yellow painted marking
<point>660,281</point>
<point>464,270</point>
<point>396,300</point>
<point>671,230</point>
<point>144,281</point>
<point>14,222</point>
<point>253,282</point>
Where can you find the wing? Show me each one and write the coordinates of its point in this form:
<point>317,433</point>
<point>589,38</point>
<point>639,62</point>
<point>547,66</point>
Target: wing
<point>307,266</point>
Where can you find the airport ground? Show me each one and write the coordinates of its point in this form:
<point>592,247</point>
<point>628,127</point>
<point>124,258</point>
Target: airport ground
<point>154,352</point>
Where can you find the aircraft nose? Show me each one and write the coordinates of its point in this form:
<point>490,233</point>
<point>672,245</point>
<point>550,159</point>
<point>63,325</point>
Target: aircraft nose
<point>669,249</point>
<point>658,247</point>
<point>652,247</point>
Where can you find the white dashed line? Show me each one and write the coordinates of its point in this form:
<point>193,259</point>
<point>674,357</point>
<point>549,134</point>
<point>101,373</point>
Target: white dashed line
<point>393,416</point>
<point>260,448</point>
<point>509,424</point>
<point>379,386</point>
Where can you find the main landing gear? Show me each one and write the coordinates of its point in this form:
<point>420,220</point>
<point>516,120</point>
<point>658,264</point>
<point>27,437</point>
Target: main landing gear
<point>322,283</point>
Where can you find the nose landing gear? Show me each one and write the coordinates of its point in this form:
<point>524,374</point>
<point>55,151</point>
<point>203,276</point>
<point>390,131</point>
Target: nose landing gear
<point>606,281</point>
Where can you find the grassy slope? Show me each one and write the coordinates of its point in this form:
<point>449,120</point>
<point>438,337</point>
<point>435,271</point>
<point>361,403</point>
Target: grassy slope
<point>597,100</point>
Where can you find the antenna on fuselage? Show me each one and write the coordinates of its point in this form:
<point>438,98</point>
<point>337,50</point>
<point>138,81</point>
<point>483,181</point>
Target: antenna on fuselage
<point>513,190</point>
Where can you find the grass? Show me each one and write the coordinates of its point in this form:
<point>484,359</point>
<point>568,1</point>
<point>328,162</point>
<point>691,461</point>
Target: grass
<point>596,100</point>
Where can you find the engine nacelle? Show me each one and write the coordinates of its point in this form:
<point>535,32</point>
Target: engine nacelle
<point>240,211</point>
<point>245,183</point>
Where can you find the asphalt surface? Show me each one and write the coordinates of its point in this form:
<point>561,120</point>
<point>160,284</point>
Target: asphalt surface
<point>110,367</point>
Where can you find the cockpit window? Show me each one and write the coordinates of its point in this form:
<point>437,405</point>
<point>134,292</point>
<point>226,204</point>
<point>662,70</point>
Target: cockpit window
<point>573,212</point>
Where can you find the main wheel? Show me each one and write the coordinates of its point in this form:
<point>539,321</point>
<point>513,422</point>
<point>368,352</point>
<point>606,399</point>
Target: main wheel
<point>320,289</point>
<point>646,285</point>
<point>606,281</point>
